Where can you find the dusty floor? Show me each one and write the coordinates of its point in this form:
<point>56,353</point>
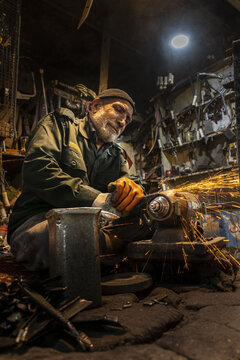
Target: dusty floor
<point>194,323</point>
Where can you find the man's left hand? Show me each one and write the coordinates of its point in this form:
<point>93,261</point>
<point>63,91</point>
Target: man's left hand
<point>126,194</point>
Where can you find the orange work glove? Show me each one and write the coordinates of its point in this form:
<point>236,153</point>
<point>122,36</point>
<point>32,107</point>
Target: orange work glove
<point>125,194</point>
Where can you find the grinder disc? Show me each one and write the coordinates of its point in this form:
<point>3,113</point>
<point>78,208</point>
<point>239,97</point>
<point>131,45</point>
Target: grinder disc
<point>125,283</point>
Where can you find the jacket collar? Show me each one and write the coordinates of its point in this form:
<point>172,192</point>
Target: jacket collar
<point>84,127</point>
<point>66,112</point>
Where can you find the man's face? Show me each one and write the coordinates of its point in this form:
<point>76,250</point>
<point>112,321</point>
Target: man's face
<point>110,117</point>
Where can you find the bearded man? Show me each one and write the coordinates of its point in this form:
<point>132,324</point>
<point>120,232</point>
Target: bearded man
<point>69,163</point>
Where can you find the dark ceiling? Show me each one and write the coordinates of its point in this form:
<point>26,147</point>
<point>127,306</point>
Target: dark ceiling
<point>140,32</point>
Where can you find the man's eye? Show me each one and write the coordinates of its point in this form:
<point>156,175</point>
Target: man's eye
<point>118,109</point>
<point>122,110</point>
<point>129,119</point>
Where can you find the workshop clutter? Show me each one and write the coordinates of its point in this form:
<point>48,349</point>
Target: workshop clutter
<point>36,97</point>
<point>21,109</point>
<point>203,131</point>
<point>230,227</point>
<point>36,311</point>
<point>189,129</point>
<point>226,224</point>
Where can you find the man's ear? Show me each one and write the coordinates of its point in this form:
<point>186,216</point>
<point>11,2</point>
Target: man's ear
<point>96,104</point>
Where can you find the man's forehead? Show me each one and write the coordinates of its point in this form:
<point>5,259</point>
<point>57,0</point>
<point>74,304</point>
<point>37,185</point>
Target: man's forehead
<point>126,104</point>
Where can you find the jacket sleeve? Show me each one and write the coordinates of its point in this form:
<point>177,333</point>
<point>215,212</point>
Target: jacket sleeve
<point>43,175</point>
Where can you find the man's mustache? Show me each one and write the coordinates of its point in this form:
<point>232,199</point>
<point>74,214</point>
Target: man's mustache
<point>116,127</point>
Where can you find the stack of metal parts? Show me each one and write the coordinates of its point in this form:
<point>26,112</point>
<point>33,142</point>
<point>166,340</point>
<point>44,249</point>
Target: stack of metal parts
<point>37,311</point>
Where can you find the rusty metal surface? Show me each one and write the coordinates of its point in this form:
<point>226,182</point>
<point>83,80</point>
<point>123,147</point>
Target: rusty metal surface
<point>74,251</point>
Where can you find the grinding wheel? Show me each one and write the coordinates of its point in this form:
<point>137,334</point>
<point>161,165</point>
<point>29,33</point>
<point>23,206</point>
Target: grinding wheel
<point>125,283</point>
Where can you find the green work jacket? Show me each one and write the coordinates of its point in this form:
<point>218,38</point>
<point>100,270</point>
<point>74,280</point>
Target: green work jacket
<point>63,168</point>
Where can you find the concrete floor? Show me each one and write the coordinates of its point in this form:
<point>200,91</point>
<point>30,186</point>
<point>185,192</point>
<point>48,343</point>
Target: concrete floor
<point>190,322</point>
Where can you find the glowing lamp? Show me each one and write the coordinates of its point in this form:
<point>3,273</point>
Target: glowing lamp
<point>180,41</point>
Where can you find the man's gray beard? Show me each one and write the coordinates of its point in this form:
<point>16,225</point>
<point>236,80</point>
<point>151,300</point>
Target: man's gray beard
<point>103,134</point>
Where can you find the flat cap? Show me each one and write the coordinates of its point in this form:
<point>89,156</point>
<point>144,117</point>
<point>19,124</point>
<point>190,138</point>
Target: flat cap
<point>117,93</point>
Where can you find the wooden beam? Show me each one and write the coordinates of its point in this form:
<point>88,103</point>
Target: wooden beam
<point>104,66</point>
<point>97,28</point>
<point>235,3</point>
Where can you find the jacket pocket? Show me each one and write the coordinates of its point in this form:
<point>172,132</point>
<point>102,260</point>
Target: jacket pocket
<point>73,161</point>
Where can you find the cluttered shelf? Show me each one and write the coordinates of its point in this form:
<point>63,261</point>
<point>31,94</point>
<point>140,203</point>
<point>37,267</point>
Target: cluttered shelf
<point>195,130</point>
<point>191,107</point>
<point>198,173</point>
<point>193,174</point>
<point>209,136</point>
<point>13,160</point>
<point>13,153</point>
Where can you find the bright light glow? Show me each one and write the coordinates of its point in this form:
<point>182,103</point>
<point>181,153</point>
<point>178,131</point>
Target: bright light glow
<point>180,41</point>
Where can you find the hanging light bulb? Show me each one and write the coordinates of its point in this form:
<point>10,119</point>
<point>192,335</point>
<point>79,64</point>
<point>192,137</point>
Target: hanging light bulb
<point>180,41</point>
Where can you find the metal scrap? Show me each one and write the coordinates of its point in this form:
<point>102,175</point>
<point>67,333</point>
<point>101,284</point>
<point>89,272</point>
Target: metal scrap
<point>81,338</point>
<point>127,305</point>
<point>155,301</point>
<point>106,320</point>
<point>29,307</point>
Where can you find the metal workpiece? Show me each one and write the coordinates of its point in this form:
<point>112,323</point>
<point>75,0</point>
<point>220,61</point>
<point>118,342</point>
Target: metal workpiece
<point>187,205</point>
<point>106,217</point>
<point>74,251</point>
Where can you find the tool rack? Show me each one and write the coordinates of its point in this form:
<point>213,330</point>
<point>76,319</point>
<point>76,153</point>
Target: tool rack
<point>191,119</point>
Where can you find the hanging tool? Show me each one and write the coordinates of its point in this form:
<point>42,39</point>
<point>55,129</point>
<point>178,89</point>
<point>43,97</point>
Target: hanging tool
<point>85,13</point>
<point>179,140</point>
<point>199,134</point>
<point>44,90</point>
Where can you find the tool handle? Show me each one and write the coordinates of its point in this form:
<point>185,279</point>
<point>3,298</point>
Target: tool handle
<point>41,71</point>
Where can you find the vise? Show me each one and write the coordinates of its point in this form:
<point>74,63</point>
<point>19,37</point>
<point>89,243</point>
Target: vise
<point>74,250</point>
